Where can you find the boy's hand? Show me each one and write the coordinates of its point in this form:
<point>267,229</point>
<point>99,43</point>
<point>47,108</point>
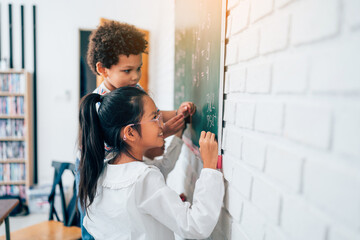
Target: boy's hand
<point>174,125</point>
<point>186,109</point>
<point>208,149</point>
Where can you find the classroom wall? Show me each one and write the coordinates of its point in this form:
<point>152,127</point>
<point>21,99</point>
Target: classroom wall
<point>292,113</point>
<point>58,25</point>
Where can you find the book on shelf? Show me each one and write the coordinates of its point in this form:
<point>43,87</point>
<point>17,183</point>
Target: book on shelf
<point>15,133</point>
<point>12,83</point>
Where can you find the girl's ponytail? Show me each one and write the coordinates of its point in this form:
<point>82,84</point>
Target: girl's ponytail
<point>91,142</point>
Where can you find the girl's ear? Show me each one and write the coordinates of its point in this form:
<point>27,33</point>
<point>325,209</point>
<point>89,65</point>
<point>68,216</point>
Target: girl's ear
<point>130,134</point>
<point>101,70</point>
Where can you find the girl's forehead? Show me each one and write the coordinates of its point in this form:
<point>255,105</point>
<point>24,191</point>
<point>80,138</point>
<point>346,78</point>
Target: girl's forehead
<point>149,104</point>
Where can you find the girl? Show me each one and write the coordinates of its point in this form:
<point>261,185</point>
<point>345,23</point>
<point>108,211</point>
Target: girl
<point>126,199</point>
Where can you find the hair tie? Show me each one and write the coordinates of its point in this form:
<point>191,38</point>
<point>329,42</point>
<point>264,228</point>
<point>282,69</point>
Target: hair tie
<point>100,99</point>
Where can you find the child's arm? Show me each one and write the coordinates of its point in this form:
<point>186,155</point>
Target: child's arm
<point>162,203</point>
<point>195,221</point>
<point>171,118</point>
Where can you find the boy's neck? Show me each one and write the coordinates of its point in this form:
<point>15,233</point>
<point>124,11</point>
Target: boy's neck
<point>108,85</point>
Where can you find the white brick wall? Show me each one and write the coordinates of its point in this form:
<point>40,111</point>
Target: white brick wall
<point>269,117</point>
<point>315,20</point>
<point>308,124</point>
<point>292,113</point>
<point>258,78</point>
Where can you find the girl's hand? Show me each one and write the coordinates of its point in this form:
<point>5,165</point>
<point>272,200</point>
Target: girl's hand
<point>174,125</point>
<point>208,149</point>
<point>186,109</point>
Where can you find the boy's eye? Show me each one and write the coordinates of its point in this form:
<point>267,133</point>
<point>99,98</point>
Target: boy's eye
<point>127,71</point>
<point>139,69</point>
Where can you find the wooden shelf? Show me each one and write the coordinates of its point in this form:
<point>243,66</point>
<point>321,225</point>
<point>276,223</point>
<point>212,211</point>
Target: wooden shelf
<point>12,117</point>
<point>12,161</point>
<point>13,183</point>
<point>9,94</point>
<point>10,139</point>
<point>9,71</point>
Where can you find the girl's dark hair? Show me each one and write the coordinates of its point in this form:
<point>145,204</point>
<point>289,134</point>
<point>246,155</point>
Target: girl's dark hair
<point>112,39</point>
<point>117,109</point>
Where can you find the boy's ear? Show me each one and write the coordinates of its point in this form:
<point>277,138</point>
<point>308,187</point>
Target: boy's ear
<point>101,70</point>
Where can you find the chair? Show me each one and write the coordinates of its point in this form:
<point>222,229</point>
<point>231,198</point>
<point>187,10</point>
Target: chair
<point>65,229</point>
<point>69,213</point>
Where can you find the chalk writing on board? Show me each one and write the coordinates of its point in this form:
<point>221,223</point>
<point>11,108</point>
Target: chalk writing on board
<point>210,100</point>
<point>211,120</point>
<point>179,95</point>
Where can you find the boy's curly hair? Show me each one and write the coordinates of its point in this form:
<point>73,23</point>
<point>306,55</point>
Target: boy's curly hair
<point>112,39</point>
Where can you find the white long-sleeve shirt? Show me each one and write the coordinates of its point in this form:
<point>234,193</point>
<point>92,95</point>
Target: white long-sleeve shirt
<point>167,162</point>
<point>133,202</point>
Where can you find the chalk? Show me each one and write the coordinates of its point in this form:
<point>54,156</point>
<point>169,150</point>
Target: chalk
<point>219,163</point>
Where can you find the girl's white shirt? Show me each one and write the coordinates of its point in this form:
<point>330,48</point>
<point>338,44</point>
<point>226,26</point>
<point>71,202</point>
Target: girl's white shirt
<point>133,202</point>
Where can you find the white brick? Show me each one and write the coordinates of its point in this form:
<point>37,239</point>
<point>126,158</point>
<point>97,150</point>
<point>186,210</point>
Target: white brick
<point>308,124</point>
<point>248,42</point>
<point>236,79</point>
<point>258,78</point>
<point>269,117</point>
<point>233,202</point>
<point>229,111</point>
<point>290,75</point>
<point>252,222</point>
<point>223,142</point>
<point>267,199</point>
<point>284,166</point>
<point>302,222</point>
<point>242,179</point>
<point>314,20</point>
<point>228,26</point>
<point>240,17</point>
<point>232,3</point>
<point>341,234</point>
<point>274,34</point>
<point>260,8</point>
<point>274,233</point>
<point>237,233</point>
<point>228,166</point>
<point>337,69</point>
<point>281,3</point>
<point>245,114</point>
<point>231,52</point>
<point>347,130</point>
<point>233,142</point>
<point>253,152</point>
<point>227,83</point>
<point>352,10</point>
<point>334,188</point>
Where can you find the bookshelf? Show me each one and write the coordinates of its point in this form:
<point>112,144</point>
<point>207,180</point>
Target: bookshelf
<point>16,136</point>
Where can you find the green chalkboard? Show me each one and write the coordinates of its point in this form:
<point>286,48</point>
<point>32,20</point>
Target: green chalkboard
<point>199,62</point>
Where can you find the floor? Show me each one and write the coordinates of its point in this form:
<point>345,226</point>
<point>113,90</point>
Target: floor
<point>20,222</point>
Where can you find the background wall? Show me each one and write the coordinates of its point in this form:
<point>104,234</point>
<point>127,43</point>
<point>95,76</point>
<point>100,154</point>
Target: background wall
<point>292,121</point>
<point>58,25</point>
